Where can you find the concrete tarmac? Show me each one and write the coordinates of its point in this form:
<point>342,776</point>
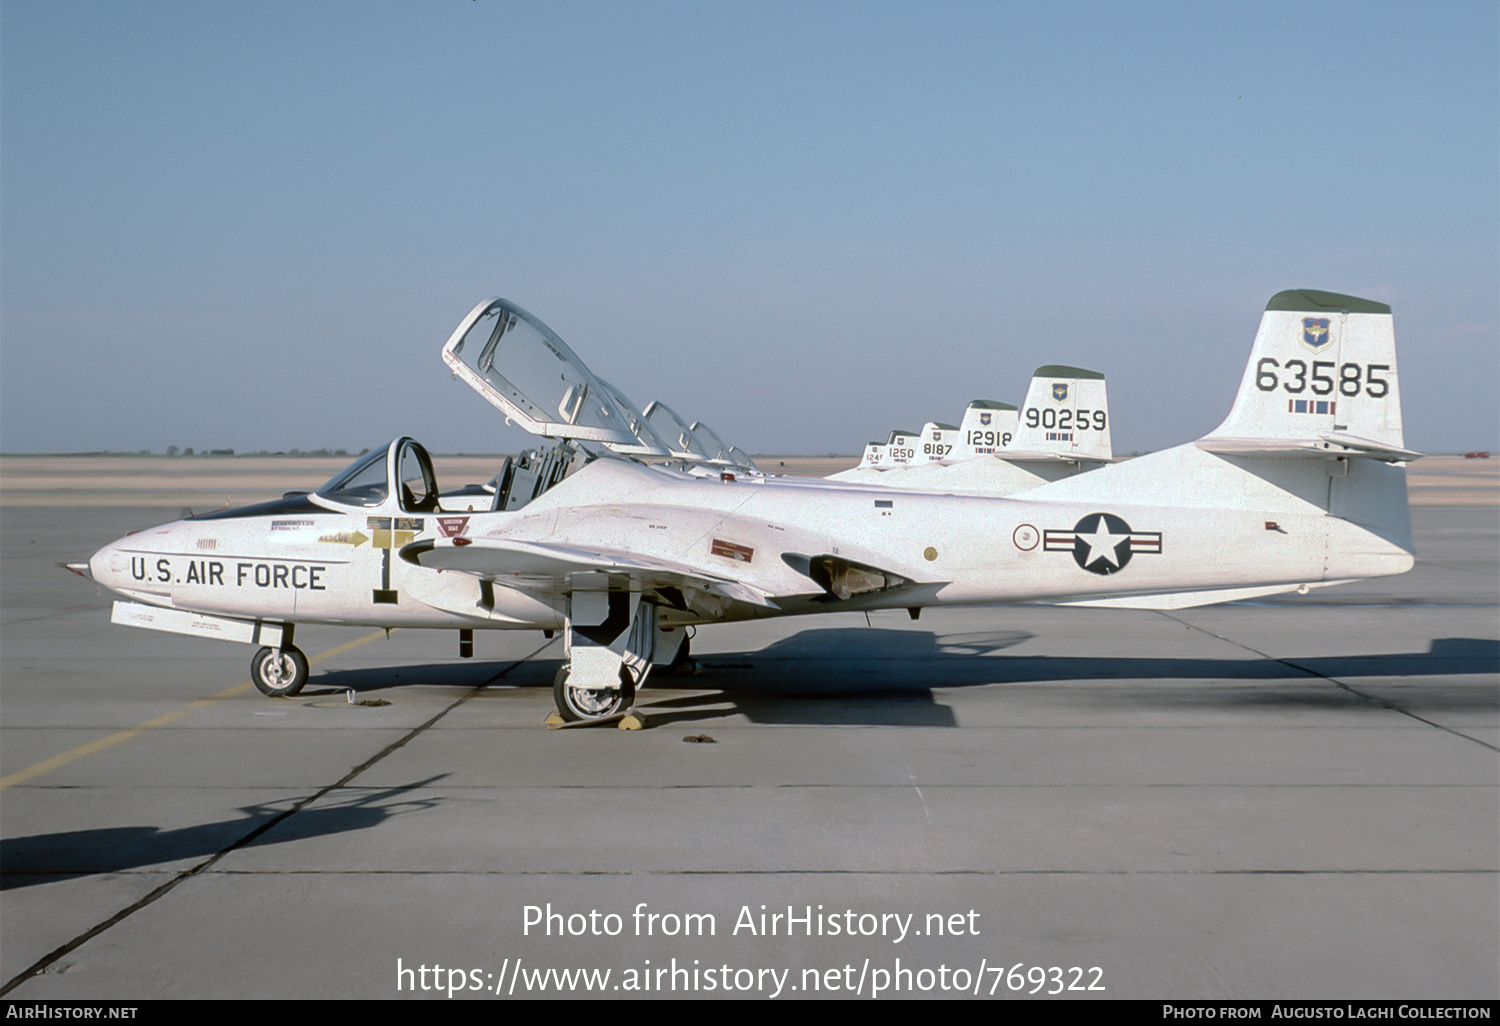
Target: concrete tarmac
<point>1291,798</point>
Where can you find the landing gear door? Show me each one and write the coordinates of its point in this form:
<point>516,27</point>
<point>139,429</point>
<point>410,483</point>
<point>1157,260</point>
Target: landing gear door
<point>521,367</point>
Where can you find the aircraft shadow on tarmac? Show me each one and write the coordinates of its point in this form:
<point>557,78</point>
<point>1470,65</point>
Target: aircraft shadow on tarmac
<point>869,676</point>
<point>48,858</point>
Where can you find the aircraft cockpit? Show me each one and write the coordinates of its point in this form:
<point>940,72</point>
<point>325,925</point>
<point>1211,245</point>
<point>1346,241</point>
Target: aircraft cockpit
<point>399,478</point>
<point>399,475</point>
<point>684,444</point>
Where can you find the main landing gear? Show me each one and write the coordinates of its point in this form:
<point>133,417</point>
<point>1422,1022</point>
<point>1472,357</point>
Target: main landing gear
<point>581,704</point>
<point>279,672</point>
<point>611,641</point>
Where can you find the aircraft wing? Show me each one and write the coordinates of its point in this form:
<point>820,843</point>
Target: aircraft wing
<point>550,568</point>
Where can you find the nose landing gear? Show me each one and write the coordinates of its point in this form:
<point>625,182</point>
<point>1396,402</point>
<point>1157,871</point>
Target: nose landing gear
<point>279,672</point>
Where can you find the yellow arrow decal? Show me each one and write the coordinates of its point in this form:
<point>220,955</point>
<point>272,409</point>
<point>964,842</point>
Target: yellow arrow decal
<point>354,538</point>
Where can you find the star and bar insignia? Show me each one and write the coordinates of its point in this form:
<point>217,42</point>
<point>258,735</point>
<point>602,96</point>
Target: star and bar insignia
<point>1102,543</point>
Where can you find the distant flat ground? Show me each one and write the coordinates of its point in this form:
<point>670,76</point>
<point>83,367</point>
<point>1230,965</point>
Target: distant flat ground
<point>210,482</point>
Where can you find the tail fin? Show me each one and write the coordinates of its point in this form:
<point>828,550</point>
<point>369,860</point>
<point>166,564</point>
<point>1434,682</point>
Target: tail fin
<point>987,427</point>
<point>874,454</point>
<point>1065,415</point>
<point>936,443</point>
<point>900,449</point>
<point>1322,378</point>
<point>1314,440</point>
<point>1302,483</point>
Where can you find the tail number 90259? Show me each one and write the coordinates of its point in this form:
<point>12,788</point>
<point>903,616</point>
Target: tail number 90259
<point>1082,420</point>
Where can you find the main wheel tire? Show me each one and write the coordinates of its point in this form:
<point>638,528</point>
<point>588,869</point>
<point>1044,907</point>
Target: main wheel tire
<point>579,704</point>
<point>279,678</point>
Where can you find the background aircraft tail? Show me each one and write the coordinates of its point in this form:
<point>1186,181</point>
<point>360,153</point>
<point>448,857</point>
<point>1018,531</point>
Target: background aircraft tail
<point>1065,415</point>
<point>901,448</point>
<point>937,442</point>
<point>987,427</point>
<point>873,455</point>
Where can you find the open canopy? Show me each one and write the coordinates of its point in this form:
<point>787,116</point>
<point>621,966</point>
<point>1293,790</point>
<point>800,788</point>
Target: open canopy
<point>520,365</point>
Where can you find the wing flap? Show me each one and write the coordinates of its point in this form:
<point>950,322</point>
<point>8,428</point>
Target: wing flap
<point>559,569</point>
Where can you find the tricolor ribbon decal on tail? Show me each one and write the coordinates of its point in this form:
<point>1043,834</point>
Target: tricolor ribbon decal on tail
<point>1102,543</point>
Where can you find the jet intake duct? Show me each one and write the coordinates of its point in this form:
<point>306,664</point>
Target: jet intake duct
<point>842,579</point>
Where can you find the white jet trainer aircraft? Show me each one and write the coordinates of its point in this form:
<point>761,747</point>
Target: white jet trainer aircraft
<point>1303,485</point>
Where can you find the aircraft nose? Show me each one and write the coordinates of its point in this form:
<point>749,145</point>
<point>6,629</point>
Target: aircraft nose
<point>107,565</point>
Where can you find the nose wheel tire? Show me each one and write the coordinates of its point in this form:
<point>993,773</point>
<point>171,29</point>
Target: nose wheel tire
<point>279,676</point>
<point>577,705</point>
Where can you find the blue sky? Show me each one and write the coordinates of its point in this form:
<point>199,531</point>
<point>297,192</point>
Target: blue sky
<point>253,225</point>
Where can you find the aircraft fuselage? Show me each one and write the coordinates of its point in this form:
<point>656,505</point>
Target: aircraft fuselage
<point>297,561</point>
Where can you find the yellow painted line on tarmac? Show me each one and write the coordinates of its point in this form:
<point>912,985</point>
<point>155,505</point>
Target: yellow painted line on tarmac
<point>21,776</point>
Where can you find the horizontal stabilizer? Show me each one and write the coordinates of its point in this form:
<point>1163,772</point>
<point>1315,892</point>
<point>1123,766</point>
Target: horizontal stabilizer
<point>1023,456</point>
<point>1324,447</point>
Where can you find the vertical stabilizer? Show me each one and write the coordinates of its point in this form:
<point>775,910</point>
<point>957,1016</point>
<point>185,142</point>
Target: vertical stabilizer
<point>1314,434</point>
<point>937,441</point>
<point>874,456</point>
<point>1065,414</point>
<point>1322,373</point>
<point>900,449</point>
<point>987,427</point>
